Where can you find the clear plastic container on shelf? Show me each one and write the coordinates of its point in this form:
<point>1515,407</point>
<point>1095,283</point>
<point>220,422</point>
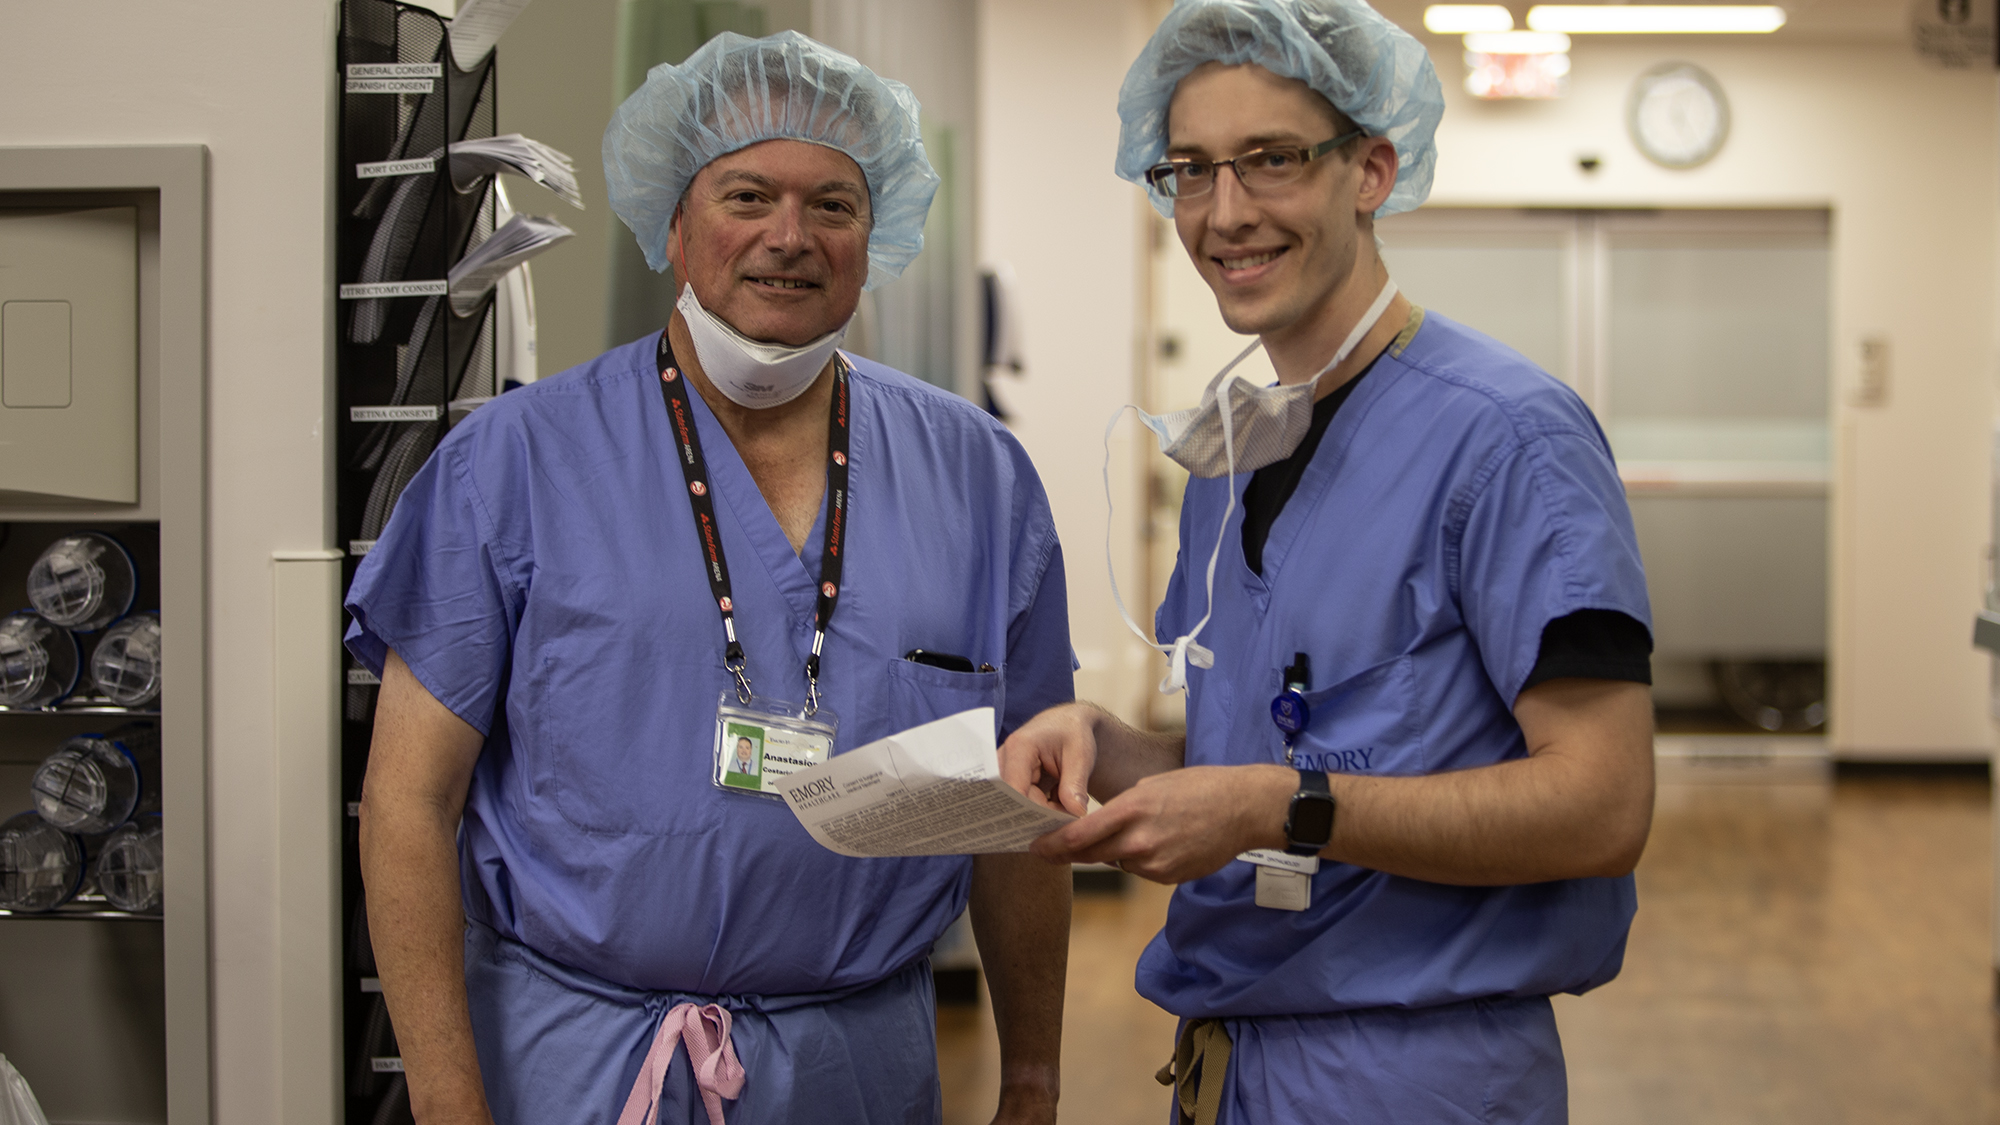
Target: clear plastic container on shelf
<point>41,866</point>
<point>126,665</point>
<point>38,661</point>
<point>130,868</point>
<point>83,581</point>
<point>98,781</point>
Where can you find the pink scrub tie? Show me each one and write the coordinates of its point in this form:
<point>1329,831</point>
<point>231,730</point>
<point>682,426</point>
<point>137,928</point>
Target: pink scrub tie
<point>717,1074</point>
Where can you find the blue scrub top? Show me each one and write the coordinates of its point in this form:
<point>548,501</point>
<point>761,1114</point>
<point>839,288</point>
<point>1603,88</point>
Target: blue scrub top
<point>1460,501</point>
<point>541,578</point>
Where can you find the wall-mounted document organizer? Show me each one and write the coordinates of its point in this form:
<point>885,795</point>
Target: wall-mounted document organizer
<point>435,317</point>
<point>407,350</point>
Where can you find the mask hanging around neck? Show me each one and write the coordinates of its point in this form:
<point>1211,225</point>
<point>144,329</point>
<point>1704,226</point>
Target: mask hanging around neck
<point>1255,427</point>
<point>1270,422</point>
<point>748,372</point>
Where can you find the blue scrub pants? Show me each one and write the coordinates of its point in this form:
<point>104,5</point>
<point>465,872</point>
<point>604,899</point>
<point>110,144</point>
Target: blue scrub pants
<point>559,1045</point>
<point>1488,1061</point>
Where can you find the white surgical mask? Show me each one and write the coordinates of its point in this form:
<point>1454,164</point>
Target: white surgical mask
<point>1266,423</point>
<point>1269,422</point>
<point>750,372</point>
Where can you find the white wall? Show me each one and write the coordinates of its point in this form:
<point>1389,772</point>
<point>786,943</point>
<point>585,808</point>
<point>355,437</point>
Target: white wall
<point>251,80</point>
<point>1905,156</point>
<point>1051,209</point>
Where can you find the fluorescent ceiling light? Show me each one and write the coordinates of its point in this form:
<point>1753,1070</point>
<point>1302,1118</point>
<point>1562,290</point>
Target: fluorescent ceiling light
<point>1517,43</point>
<point>1666,19</point>
<point>1460,19</point>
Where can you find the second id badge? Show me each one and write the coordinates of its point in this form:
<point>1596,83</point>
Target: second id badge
<point>1284,881</point>
<point>759,744</point>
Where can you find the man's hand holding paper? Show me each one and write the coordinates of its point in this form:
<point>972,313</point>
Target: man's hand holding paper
<point>934,789</point>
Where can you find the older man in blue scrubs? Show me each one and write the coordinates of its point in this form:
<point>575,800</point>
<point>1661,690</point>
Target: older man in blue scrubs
<point>1417,771</point>
<point>581,911</point>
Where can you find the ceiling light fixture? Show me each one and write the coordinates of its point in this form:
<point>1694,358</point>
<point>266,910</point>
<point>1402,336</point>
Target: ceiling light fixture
<point>1461,19</point>
<point>1656,19</point>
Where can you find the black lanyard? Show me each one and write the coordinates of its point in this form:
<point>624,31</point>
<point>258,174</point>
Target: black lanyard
<point>680,414</point>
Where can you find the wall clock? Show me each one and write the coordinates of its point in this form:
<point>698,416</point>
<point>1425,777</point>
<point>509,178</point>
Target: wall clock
<point>1677,115</point>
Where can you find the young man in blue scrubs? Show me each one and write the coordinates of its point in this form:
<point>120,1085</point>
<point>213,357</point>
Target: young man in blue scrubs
<point>1417,771</point>
<point>582,909</point>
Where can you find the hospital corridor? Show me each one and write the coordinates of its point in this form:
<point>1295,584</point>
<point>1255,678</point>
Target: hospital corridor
<point>1217,562</point>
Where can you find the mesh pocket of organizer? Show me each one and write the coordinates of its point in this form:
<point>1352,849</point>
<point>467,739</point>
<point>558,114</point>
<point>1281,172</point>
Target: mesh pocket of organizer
<point>360,705</point>
<point>406,454</point>
<point>378,1040</point>
<point>394,1108</point>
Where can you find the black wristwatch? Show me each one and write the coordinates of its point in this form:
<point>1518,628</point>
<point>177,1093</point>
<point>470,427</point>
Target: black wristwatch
<point>1310,826</point>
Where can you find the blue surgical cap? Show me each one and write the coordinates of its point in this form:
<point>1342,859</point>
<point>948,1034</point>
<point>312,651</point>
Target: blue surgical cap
<point>1370,69</point>
<point>736,91</point>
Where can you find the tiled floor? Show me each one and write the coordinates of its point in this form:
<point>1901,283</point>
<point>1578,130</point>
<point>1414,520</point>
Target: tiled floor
<point>1809,948</point>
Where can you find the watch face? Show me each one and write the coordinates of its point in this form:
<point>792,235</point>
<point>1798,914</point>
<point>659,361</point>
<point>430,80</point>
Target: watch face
<point>1678,115</point>
<point>1312,820</point>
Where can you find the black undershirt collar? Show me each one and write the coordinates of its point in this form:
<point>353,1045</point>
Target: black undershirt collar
<point>1272,486</point>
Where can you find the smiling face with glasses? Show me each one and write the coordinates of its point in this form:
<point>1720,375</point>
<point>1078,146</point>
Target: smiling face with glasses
<point>1260,169</point>
<point>1285,238</point>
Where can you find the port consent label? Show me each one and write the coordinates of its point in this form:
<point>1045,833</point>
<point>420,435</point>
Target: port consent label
<point>396,70</point>
<point>392,413</point>
<point>368,290</point>
<point>381,168</point>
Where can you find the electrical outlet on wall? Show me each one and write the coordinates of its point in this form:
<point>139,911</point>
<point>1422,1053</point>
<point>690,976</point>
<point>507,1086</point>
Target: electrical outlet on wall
<point>1872,389</point>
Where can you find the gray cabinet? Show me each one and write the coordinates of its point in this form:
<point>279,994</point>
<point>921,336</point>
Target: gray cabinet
<point>108,1016</point>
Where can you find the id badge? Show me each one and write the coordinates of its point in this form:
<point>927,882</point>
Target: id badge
<point>1278,889</point>
<point>1284,881</point>
<point>759,744</point>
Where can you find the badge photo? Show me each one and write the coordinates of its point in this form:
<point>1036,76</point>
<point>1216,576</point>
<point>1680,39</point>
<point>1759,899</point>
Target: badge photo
<point>743,769</point>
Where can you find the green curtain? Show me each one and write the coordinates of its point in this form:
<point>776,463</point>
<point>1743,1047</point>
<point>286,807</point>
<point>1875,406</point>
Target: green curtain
<point>651,32</point>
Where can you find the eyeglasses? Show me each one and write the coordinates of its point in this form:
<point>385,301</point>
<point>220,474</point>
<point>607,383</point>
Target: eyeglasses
<point>1257,169</point>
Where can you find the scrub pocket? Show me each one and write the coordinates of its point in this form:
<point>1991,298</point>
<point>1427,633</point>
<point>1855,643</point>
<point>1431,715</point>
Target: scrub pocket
<point>1366,723</point>
<point>920,693</point>
<point>643,773</point>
